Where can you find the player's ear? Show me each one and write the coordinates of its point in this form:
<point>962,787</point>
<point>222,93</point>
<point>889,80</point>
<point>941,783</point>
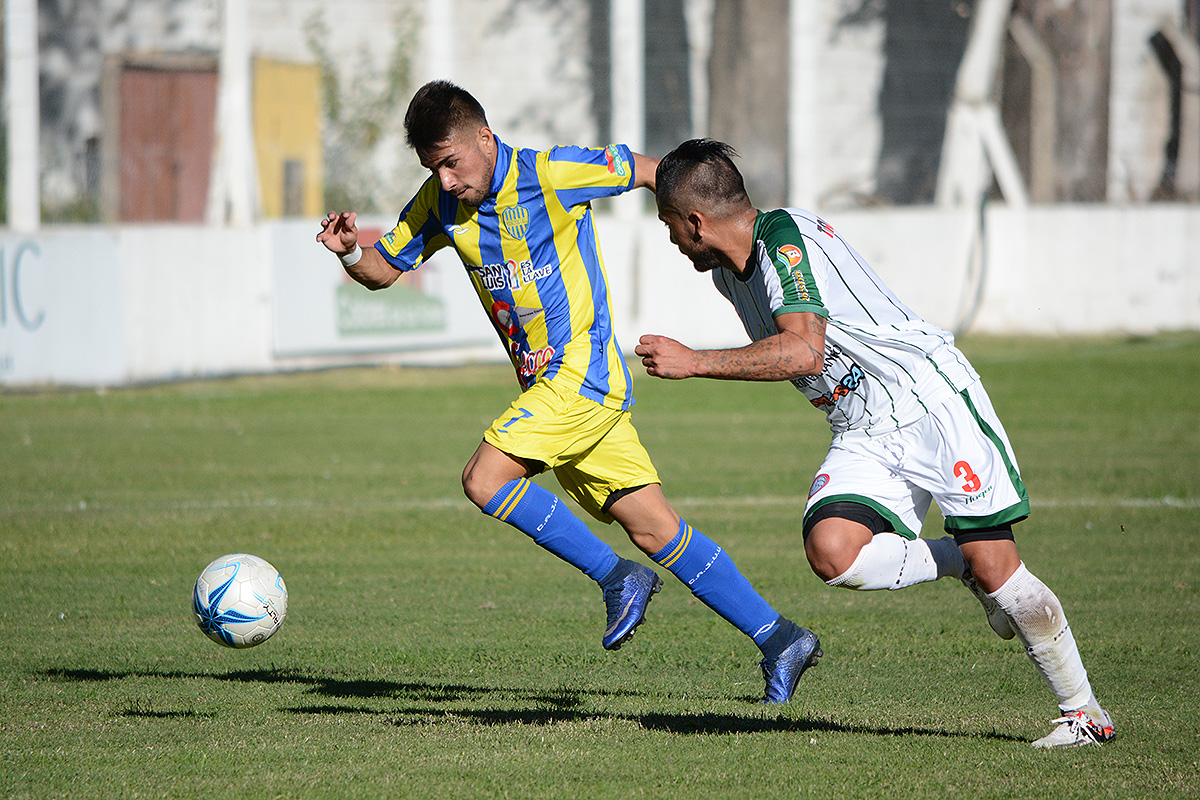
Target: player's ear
<point>485,138</point>
<point>698,225</point>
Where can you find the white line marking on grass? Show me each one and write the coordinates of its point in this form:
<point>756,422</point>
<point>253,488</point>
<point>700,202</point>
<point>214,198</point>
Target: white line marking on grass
<point>462,504</point>
<point>1088,502</point>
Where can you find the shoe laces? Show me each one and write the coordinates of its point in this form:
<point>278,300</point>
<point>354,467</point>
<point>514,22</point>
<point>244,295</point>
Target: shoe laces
<point>1080,722</point>
<point>612,600</point>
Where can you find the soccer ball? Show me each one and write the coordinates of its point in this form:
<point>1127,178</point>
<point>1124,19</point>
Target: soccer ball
<point>240,600</point>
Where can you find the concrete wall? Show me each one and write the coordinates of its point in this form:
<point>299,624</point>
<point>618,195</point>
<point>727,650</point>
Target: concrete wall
<point>103,307</point>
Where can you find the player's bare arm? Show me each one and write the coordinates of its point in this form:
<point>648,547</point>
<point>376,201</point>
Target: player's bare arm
<point>644,170</point>
<point>798,349</point>
<point>339,234</point>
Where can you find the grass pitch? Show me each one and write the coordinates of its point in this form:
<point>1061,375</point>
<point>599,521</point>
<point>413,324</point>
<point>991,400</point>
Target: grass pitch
<point>433,652</point>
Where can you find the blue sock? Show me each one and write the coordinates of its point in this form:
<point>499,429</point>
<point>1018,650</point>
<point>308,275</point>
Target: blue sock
<point>540,515</point>
<point>712,576</point>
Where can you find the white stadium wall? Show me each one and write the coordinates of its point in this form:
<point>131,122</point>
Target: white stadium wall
<point>103,307</point>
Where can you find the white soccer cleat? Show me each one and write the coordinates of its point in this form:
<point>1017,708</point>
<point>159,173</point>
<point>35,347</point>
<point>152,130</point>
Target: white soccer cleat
<point>995,615</point>
<point>1077,728</point>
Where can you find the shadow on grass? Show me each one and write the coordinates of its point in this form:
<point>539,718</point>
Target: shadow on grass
<point>683,724</point>
<point>557,706</point>
<point>328,686</point>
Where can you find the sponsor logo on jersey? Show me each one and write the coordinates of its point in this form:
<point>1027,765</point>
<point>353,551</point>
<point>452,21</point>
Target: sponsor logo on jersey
<point>529,274</point>
<point>849,382</point>
<point>512,274</point>
<point>530,364</point>
<point>825,228</point>
<point>389,240</point>
<point>511,319</point>
<point>460,230</point>
<point>616,164</point>
<point>819,483</point>
<point>792,258</point>
<point>498,277</point>
<point>516,221</point>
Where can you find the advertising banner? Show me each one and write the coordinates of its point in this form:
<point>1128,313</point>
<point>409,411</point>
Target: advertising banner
<point>60,309</point>
<point>319,310</point>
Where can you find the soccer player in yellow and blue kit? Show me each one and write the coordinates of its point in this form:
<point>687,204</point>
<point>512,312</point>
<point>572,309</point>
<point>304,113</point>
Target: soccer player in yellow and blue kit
<point>521,223</point>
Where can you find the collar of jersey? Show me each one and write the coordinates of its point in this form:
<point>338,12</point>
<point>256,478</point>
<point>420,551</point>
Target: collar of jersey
<point>504,155</point>
<point>752,266</point>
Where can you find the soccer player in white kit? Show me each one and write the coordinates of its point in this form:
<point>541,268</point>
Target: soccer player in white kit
<point>911,421</point>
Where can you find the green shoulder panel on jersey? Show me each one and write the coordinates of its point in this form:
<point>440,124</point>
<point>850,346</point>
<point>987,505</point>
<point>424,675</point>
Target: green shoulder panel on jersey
<point>789,255</point>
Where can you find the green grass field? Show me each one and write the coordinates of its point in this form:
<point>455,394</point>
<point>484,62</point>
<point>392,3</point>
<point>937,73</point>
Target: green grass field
<point>433,652</point>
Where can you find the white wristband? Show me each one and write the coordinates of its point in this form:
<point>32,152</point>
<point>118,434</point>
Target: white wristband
<point>351,258</point>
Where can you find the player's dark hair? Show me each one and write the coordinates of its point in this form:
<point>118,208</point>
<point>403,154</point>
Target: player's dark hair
<point>437,111</point>
<point>700,172</point>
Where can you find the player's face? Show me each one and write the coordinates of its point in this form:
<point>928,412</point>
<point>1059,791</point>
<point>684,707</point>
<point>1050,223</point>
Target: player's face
<point>683,236</point>
<point>464,164</point>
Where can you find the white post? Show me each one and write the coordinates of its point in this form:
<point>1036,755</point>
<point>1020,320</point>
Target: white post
<point>233,193</point>
<point>1187,163</point>
<point>439,39</point>
<point>628,48</point>
<point>805,32</point>
<point>21,111</point>
<point>974,136</point>
<point>698,17</point>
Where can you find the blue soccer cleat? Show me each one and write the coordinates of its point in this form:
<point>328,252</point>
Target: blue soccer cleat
<point>626,604</point>
<point>782,672</point>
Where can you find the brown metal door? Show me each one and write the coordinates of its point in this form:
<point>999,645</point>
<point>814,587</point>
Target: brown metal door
<point>167,136</point>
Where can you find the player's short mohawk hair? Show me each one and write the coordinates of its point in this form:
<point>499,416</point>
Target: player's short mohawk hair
<point>702,172</point>
<point>437,111</point>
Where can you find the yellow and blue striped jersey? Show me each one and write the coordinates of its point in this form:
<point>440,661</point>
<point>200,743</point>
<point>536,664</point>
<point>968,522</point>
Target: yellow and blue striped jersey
<point>532,254</point>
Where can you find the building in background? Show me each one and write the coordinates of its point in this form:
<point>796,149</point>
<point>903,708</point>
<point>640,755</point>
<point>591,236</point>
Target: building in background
<point>1039,139</point>
<point>837,104</point>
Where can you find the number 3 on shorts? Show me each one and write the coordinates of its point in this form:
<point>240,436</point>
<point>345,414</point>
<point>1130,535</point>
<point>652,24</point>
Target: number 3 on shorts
<point>963,470</point>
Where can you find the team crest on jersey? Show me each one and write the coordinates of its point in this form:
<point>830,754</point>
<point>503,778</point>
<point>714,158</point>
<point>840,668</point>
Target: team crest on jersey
<point>516,221</point>
<point>818,484</point>
<point>616,164</point>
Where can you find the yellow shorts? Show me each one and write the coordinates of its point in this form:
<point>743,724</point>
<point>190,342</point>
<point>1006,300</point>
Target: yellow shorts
<point>593,450</point>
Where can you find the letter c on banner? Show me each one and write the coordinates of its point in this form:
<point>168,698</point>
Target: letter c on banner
<point>26,323</point>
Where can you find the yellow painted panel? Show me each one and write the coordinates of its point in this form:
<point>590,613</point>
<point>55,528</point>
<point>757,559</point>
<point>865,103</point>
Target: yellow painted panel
<point>287,136</point>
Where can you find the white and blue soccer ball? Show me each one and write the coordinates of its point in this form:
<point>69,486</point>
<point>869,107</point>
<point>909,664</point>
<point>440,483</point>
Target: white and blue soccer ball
<point>240,600</point>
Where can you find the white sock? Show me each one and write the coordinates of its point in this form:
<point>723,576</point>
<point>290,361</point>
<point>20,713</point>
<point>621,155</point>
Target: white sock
<point>1042,627</point>
<point>889,561</point>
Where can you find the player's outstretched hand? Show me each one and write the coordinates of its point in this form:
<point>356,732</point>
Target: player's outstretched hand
<point>339,232</point>
<point>663,357</point>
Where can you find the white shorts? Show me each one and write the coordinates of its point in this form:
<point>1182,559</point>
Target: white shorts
<point>957,455</point>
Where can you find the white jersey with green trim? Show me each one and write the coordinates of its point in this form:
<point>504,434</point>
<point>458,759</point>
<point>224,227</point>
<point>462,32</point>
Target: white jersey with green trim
<point>885,366</point>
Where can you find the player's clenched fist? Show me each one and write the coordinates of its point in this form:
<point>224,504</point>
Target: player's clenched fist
<point>664,357</point>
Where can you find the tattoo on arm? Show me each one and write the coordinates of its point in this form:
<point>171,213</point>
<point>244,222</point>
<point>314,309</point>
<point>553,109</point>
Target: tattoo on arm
<point>775,358</point>
<point>786,355</point>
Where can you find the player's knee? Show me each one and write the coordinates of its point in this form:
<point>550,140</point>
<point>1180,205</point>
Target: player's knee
<point>832,545</point>
<point>476,487</point>
<point>992,562</point>
<point>830,557</point>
